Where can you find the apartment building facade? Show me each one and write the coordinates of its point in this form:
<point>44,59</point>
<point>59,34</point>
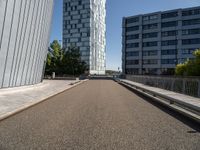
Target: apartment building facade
<point>24,39</point>
<point>84,27</point>
<point>155,43</point>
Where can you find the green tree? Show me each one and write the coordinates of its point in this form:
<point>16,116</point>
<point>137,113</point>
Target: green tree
<point>64,61</point>
<point>72,63</point>
<point>54,57</point>
<point>190,67</point>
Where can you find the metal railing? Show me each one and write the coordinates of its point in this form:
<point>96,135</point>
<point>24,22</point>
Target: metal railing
<point>189,86</point>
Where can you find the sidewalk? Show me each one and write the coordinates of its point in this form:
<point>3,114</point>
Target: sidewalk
<point>13,100</point>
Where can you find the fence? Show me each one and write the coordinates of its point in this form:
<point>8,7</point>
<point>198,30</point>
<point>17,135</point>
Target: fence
<point>189,86</point>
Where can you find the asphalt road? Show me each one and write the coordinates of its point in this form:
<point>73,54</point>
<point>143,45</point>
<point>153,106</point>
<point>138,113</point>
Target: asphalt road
<point>102,115</point>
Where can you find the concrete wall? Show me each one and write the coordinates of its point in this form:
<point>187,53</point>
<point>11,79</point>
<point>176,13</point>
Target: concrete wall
<point>24,36</point>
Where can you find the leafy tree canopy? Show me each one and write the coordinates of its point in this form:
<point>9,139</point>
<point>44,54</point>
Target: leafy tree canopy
<point>190,67</point>
<point>64,61</point>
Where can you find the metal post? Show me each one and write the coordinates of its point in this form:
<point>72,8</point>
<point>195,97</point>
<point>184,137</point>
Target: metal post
<point>172,85</point>
<point>184,82</point>
<point>198,87</point>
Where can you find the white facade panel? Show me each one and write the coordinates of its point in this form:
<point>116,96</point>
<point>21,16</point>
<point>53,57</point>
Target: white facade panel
<point>24,28</point>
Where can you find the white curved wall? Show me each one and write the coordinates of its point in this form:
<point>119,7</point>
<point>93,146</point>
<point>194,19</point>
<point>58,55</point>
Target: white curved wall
<point>24,36</point>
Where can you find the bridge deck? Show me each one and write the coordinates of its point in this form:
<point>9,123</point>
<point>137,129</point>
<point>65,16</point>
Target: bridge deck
<point>99,114</point>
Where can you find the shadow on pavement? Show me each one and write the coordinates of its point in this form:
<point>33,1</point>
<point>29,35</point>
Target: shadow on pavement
<point>189,122</point>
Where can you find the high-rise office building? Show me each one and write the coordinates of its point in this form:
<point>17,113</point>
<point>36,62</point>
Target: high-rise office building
<point>84,27</point>
<point>154,43</point>
<point>24,38</point>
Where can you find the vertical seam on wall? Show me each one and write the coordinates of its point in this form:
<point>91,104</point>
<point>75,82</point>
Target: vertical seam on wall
<point>31,26</point>
<point>3,24</point>
<point>34,39</point>
<point>15,47</point>
<point>38,45</point>
<point>22,43</point>
<point>39,54</point>
<point>38,38</point>
<point>6,61</point>
<point>41,42</point>
<point>16,64</point>
<point>44,38</point>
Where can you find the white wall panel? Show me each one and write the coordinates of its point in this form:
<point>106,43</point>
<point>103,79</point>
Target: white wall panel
<point>24,36</point>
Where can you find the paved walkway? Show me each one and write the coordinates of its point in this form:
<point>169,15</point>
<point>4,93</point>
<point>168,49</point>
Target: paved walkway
<point>16,99</point>
<point>98,115</point>
<point>174,95</point>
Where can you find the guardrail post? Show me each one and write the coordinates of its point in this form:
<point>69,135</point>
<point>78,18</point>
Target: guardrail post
<point>199,88</point>
<point>172,84</point>
<point>184,82</point>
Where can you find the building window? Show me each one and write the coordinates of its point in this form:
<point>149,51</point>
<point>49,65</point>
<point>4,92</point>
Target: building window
<point>191,31</point>
<point>167,71</point>
<point>132,20</point>
<point>132,62</point>
<point>169,15</point>
<point>168,61</point>
<point>150,44</point>
<point>132,37</point>
<point>130,54</point>
<point>150,35</point>
<point>169,24</point>
<point>150,53</point>
<point>67,5</point>
<point>169,52</point>
<point>150,61</point>
<point>188,51</point>
<point>169,42</point>
<point>132,45</point>
<point>151,17</point>
<point>145,18</point>
<point>132,71</point>
<point>150,26</point>
<point>129,29</point>
<point>191,41</point>
<point>170,33</point>
<point>149,71</point>
<point>191,22</point>
<point>191,12</point>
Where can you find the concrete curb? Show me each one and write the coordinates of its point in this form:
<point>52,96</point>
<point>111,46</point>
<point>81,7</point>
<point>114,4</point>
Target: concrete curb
<point>29,105</point>
<point>178,108</point>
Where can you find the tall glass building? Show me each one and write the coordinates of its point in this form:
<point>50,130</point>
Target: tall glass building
<point>84,27</point>
<point>24,36</point>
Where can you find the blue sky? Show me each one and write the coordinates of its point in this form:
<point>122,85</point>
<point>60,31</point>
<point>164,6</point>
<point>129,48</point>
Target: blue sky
<point>116,10</point>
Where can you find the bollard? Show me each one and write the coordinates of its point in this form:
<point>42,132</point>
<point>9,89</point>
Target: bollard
<point>53,75</point>
<point>198,88</point>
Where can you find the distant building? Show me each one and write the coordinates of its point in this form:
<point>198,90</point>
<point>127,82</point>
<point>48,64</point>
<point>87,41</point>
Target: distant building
<point>84,27</point>
<point>154,43</point>
<point>24,36</point>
